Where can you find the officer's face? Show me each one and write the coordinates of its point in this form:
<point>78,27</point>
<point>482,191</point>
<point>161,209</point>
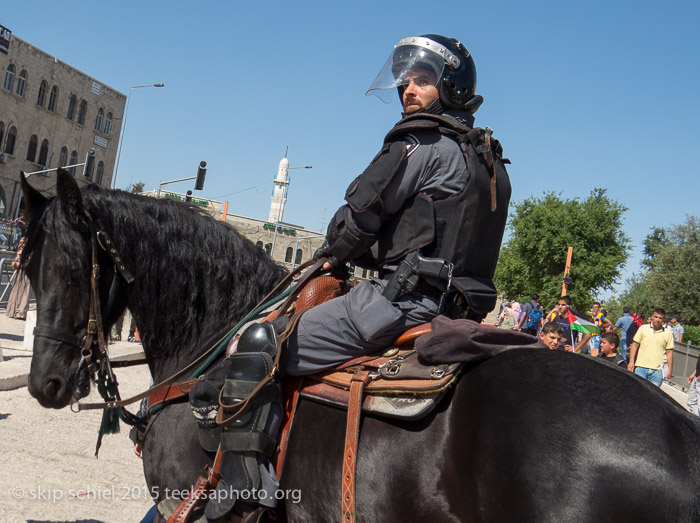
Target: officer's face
<point>419,91</point>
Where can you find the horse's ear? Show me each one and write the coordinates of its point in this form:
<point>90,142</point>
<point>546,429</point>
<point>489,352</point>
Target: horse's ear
<point>33,199</point>
<point>69,195</point>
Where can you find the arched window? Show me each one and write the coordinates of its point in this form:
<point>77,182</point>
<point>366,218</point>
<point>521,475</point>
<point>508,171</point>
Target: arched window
<point>21,83</point>
<point>44,152</point>
<point>41,100</point>
<point>73,160</point>
<point>100,173</point>
<point>2,131</point>
<point>31,148</point>
<point>10,142</point>
<point>53,99</point>
<point>71,107</point>
<point>9,78</point>
<point>297,260</point>
<point>63,157</point>
<point>268,248</point>
<point>259,244</point>
<point>108,124</point>
<point>82,112</point>
<point>98,119</point>
<point>288,255</point>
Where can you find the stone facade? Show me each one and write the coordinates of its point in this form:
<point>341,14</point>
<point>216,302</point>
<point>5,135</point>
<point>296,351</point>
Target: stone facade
<point>293,244</point>
<point>56,114</point>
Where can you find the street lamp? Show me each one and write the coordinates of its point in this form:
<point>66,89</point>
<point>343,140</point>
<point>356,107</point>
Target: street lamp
<point>121,135</point>
<point>283,197</point>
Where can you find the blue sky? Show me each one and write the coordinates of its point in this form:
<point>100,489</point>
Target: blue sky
<point>582,95</point>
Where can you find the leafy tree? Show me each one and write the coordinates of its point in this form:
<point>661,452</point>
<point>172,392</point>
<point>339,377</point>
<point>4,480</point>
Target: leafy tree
<point>692,335</point>
<point>675,275</point>
<point>673,279</point>
<point>653,243</point>
<point>540,231</point>
<point>136,188</point>
<point>639,297</point>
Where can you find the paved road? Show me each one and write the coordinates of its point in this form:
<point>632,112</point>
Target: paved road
<point>50,473</point>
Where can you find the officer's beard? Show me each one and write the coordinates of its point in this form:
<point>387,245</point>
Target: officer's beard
<point>434,108</point>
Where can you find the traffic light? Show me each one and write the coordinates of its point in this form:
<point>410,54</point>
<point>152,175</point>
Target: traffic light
<point>188,196</point>
<point>89,166</point>
<point>201,174</point>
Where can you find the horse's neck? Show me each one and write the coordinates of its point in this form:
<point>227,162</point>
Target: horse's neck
<point>176,328</point>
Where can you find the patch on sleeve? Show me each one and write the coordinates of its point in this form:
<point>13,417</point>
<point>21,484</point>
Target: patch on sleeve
<point>412,144</point>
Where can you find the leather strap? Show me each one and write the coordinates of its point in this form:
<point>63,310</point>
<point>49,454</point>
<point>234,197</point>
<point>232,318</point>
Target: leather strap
<point>197,494</point>
<point>352,435</point>
<point>292,386</point>
<point>200,359</point>
<point>184,511</point>
<point>174,391</point>
<point>234,412</point>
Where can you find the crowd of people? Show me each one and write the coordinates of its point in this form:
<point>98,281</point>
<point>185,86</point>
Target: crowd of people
<point>642,347</point>
<point>10,232</point>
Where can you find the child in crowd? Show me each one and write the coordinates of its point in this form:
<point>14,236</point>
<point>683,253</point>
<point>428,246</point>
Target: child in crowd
<point>551,335</point>
<point>608,350</point>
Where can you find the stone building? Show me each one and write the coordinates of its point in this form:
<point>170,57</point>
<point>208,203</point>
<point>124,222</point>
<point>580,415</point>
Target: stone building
<point>293,245</point>
<point>51,115</point>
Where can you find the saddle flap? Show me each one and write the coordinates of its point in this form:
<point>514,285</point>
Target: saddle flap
<point>399,372</point>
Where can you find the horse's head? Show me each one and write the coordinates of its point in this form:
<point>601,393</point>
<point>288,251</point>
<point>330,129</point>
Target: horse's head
<point>58,263</point>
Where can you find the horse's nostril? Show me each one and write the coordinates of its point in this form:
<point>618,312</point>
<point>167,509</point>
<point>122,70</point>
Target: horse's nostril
<point>54,388</point>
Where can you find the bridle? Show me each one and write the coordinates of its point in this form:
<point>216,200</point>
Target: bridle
<point>92,345</point>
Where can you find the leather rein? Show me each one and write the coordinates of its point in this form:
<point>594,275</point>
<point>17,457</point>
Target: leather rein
<point>92,345</point>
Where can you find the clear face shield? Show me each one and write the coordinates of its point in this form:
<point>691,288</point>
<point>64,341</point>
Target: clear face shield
<point>413,59</point>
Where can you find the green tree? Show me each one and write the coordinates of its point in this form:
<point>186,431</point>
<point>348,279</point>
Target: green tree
<point>639,296</point>
<point>675,275</point>
<point>656,240</point>
<point>136,188</point>
<point>540,231</point>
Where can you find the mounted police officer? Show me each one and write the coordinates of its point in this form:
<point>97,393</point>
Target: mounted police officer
<point>428,214</point>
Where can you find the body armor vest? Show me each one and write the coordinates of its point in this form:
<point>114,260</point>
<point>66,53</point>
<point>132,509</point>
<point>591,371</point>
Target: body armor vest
<point>465,228</point>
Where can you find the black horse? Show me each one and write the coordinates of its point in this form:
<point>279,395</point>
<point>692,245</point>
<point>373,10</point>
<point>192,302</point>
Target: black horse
<point>525,436</point>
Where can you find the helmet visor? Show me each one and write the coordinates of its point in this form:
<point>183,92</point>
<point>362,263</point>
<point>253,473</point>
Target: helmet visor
<point>410,57</point>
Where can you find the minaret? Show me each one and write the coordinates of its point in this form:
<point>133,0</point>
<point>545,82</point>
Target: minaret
<point>279,193</point>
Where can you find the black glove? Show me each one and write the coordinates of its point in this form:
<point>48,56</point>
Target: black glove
<point>324,251</point>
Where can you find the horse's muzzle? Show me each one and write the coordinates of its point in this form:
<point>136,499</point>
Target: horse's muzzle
<point>55,392</point>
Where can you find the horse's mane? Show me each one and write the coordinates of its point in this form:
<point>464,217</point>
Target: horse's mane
<point>195,276</point>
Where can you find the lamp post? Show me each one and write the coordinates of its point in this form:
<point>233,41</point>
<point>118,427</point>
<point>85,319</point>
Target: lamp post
<point>283,196</point>
<point>121,135</point>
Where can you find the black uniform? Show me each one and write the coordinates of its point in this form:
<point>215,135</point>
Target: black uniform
<point>429,188</point>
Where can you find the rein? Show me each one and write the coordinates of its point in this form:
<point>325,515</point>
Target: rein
<point>204,361</point>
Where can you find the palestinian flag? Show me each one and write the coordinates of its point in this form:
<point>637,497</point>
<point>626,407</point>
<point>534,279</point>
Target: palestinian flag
<point>580,324</point>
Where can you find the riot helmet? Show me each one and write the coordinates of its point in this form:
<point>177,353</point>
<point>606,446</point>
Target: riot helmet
<point>446,58</point>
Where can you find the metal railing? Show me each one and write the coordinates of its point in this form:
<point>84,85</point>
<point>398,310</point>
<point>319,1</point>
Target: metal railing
<point>685,358</point>
<point>7,276</point>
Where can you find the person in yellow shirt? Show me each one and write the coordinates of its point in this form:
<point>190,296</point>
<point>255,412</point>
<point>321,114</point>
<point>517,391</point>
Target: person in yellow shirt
<point>651,343</point>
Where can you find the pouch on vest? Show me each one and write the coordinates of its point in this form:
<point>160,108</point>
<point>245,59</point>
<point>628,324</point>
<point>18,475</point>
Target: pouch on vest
<point>479,293</point>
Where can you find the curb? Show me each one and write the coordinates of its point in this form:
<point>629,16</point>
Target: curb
<point>20,380</point>
<point>14,382</point>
